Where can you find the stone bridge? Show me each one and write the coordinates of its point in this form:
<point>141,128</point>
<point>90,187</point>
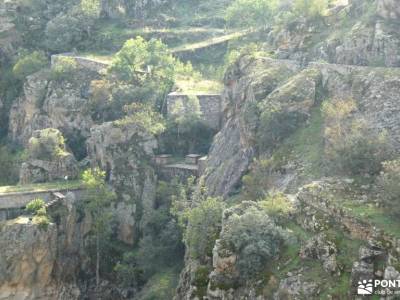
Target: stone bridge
<point>12,204</point>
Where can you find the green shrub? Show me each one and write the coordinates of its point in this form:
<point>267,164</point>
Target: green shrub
<point>277,205</point>
<point>42,221</point>
<point>251,12</point>
<point>255,238</point>
<point>389,180</point>
<point>36,206</point>
<point>204,225</point>
<point>64,69</point>
<point>29,64</point>
<point>350,146</point>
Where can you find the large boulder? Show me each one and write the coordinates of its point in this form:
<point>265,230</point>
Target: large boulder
<point>48,158</point>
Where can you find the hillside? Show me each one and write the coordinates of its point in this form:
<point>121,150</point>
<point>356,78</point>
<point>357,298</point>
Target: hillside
<point>182,149</point>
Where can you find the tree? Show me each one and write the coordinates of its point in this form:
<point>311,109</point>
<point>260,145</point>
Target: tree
<point>98,200</point>
<point>203,227</point>
<point>140,61</point>
<point>29,64</point>
<point>254,237</point>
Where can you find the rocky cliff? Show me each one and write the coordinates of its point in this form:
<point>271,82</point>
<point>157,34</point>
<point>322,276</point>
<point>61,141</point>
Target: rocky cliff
<point>49,103</point>
<point>42,263</point>
<point>125,152</point>
<point>362,33</point>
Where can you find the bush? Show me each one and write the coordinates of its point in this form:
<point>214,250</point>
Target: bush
<point>389,180</point>
<point>255,238</point>
<point>277,205</point>
<point>29,64</point>
<point>38,209</point>
<point>42,221</point>
<point>251,12</point>
<point>204,225</point>
<point>350,146</point>
<point>35,206</point>
<point>64,69</point>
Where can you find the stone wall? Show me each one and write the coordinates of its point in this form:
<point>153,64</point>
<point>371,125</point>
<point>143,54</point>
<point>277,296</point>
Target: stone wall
<point>210,106</point>
<point>83,62</point>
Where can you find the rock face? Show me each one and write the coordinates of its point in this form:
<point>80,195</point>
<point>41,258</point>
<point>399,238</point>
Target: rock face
<point>47,103</point>
<point>296,287</point>
<point>248,82</point>
<point>320,248</point>
<point>389,9</point>
<point>48,161</point>
<point>43,263</point>
<point>125,152</point>
<point>9,36</point>
<point>373,40</point>
<point>27,260</point>
<point>34,171</point>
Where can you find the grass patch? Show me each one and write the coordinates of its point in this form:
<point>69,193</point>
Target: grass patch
<point>307,146</point>
<point>190,85</point>
<point>41,187</point>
